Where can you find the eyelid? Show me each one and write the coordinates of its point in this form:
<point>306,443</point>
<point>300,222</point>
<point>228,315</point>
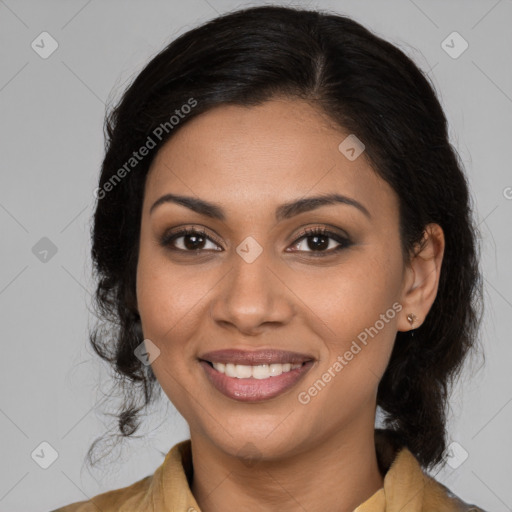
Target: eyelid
<point>327,228</point>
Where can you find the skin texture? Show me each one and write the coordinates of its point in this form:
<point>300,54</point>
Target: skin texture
<point>249,160</point>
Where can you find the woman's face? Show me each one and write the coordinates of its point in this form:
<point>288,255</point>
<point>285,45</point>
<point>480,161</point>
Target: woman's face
<point>254,283</point>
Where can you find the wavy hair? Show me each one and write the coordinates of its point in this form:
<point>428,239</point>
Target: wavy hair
<point>368,87</point>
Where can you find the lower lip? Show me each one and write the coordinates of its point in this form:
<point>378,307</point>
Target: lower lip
<point>254,390</point>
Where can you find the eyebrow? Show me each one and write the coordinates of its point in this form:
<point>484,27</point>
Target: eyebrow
<point>284,211</point>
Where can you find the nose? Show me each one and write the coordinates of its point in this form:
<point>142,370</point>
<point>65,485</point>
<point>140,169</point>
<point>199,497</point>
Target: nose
<point>252,298</point>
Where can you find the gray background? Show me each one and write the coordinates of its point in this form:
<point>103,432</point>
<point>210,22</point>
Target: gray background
<point>51,146</point>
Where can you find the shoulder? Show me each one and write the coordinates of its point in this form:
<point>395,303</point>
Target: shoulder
<point>406,478</point>
<point>440,498</point>
<point>111,501</point>
<point>168,485</point>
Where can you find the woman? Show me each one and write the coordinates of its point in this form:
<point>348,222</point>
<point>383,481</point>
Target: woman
<point>283,235</point>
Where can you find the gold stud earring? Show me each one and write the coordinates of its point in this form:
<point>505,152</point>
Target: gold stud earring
<point>411,317</point>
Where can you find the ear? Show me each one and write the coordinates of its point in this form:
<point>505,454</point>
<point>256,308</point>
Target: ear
<point>421,279</point>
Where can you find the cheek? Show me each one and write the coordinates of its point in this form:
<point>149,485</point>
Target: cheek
<point>166,294</point>
<point>356,312</point>
<point>349,297</point>
<point>173,303</point>
<point>166,303</point>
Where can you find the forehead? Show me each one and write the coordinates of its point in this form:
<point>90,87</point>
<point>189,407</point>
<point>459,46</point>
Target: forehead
<point>251,157</point>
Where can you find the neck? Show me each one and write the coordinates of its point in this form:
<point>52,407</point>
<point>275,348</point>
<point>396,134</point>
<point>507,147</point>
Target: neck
<point>336,475</point>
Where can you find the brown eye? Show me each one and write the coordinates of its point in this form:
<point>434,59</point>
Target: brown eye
<point>193,240</point>
<point>318,240</point>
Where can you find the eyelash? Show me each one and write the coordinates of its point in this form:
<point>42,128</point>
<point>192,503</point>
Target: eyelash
<point>344,242</point>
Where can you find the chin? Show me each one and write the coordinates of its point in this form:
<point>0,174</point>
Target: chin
<point>250,438</point>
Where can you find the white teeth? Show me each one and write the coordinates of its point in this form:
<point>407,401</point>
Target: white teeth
<point>260,371</point>
<point>242,372</point>
<point>275,370</point>
<point>230,370</point>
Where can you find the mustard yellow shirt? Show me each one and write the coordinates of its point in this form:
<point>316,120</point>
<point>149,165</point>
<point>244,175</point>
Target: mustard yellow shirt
<point>406,487</point>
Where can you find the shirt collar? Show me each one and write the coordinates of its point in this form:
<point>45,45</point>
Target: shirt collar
<point>402,490</point>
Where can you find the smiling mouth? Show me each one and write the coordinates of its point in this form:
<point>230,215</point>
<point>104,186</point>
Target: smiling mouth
<point>254,383</point>
<point>260,371</point>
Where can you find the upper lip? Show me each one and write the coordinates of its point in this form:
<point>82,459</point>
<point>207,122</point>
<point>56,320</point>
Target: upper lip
<point>255,357</point>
